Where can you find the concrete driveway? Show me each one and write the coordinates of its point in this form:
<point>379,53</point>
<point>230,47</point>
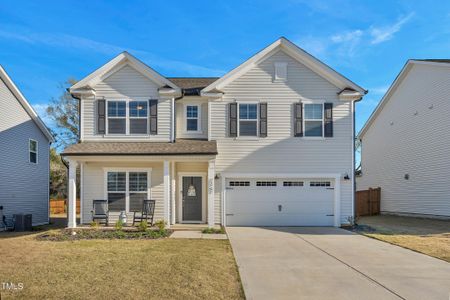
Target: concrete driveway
<point>332,263</point>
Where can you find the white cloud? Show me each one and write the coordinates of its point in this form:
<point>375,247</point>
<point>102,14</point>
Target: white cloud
<point>347,36</point>
<point>385,33</point>
<point>380,90</point>
<point>76,42</point>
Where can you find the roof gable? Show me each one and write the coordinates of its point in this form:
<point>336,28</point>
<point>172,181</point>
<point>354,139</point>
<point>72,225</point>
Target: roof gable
<point>395,84</point>
<point>296,53</point>
<point>25,104</point>
<point>116,64</point>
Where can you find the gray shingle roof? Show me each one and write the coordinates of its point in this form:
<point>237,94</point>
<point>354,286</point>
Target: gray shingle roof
<point>180,147</point>
<point>438,60</point>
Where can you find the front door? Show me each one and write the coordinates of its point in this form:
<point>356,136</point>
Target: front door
<point>192,198</point>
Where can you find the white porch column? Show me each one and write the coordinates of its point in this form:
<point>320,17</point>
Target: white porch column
<point>166,193</point>
<point>72,195</point>
<point>211,175</point>
<point>172,196</point>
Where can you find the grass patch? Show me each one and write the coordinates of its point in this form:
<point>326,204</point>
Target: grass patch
<point>427,236</point>
<point>214,230</point>
<point>119,268</point>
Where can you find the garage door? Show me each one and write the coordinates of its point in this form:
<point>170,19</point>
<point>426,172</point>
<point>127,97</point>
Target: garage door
<point>279,202</point>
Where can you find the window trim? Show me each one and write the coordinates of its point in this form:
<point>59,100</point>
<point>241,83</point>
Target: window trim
<point>36,152</point>
<point>322,103</point>
<point>251,137</point>
<point>127,118</point>
<point>199,116</point>
<point>127,182</point>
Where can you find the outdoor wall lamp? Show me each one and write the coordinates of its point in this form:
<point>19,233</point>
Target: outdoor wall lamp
<point>346,177</point>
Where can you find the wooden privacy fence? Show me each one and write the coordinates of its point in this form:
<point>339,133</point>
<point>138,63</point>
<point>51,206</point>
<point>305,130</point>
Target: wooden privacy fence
<point>368,202</point>
<point>59,206</point>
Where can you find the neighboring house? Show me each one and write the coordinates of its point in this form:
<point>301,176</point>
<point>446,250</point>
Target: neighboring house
<point>406,142</point>
<point>269,143</point>
<point>24,156</point>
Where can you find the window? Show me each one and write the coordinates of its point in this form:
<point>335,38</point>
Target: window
<point>117,117</point>
<point>138,117</point>
<point>313,118</point>
<point>266,183</point>
<point>319,183</point>
<point>248,119</point>
<point>280,71</point>
<point>138,190</point>
<point>117,191</point>
<point>126,190</point>
<point>292,183</point>
<point>33,151</point>
<point>239,183</point>
<point>192,118</point>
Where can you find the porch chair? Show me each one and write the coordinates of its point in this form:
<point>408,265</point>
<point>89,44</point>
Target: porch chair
<point>100,210</point>
<point>148,210</point>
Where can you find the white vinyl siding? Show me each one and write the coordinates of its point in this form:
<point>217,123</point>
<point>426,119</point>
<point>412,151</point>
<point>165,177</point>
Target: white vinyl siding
<point>24,186</point>
<point>180,117</point>
<point>280,152</point>
<point>125,84</point>
<point>417,143</point>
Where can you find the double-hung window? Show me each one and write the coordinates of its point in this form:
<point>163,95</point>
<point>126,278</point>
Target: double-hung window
<point>192,118</point>
<point>248,119</point>
<point>138,117</point>
<point>117,115</point>
<point>33,151</point>
<point>313,120</point>
<point>126,190</point>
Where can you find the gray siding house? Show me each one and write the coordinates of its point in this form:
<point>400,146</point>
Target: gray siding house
<point>24,159</point>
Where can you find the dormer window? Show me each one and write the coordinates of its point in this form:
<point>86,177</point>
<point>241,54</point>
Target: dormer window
<point>192,118</point>
<point>280,71</point>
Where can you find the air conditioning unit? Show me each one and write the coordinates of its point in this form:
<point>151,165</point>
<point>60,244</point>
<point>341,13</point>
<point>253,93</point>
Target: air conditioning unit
<point>22,222</point>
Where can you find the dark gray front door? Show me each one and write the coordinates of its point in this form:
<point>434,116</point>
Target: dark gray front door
<point>192,198</point>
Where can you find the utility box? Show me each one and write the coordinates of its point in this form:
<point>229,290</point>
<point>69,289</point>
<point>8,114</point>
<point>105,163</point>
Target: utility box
<point>23,222</point>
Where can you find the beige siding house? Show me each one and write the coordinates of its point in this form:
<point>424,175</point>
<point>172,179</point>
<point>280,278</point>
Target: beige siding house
<point>406,142</point>
<point>269,143</point>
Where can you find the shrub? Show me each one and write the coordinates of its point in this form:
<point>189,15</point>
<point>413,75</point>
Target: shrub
<point>118,225</point>
<point>161,225</point>
<point>94,224</point>
<point>143,226</point>
<point>214,230</point>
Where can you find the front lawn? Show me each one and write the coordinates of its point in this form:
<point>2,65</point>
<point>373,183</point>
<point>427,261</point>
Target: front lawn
<point>127,269</point>
<point>431,237</point>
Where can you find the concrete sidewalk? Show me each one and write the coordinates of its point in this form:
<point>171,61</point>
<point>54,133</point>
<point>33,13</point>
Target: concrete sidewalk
<point>331,263</point>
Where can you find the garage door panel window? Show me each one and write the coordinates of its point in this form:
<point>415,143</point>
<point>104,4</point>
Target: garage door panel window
<point>266,183</point>
<point>313,120</point>
<point>292,183</point>
<point>320,184</point>
<point>239,183</point>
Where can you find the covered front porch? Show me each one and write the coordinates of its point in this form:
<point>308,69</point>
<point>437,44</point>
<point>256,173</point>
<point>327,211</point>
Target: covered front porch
<point>183,187</point>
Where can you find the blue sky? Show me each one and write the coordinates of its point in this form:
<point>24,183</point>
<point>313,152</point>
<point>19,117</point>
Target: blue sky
<point>42,43</point>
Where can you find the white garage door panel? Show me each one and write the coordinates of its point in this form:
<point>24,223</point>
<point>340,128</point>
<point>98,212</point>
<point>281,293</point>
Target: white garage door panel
<point>259,206</point>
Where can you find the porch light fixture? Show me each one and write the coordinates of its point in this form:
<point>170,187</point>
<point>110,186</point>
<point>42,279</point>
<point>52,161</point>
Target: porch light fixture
<point>191,189</point>
<point>217,176</point>
<point>346,177</point>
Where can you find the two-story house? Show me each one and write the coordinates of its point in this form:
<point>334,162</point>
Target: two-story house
<point>269,143</point>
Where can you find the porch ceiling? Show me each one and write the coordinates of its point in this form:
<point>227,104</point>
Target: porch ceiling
<point>180,147</point>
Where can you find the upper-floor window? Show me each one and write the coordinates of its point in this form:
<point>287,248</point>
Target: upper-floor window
<point>127,117</point>
<point>248,119</point>
<point>33,151</point>
<point>313,120</point>
<point>192,118</point>
<point>117,116</point>
<point>138,117</point>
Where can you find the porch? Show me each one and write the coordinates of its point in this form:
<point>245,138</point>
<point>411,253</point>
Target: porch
<point>183,187</point>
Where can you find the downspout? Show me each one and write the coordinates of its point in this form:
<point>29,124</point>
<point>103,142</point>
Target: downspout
<point>353,153</point>
<point>173,122</point>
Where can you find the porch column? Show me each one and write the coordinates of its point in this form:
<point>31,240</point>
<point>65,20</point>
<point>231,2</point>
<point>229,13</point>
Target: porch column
<point>166,193</point>
<point>72,195</point>
<point>211,175</point>
<point>172,196</point>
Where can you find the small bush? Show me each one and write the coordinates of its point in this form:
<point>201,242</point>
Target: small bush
<point>65,235</point>
<point>214,231</point>
<point>161,225</point>
<point>94,224</point>
<point>119,225</point>
<point>143,226</point>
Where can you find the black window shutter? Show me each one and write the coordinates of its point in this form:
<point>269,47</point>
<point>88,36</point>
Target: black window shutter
<point>328,113</point>
<point>101,118</point>
<point>263,119</point>
<point>153,104</point>
<point>298,119</point>
<point>232,119</point>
